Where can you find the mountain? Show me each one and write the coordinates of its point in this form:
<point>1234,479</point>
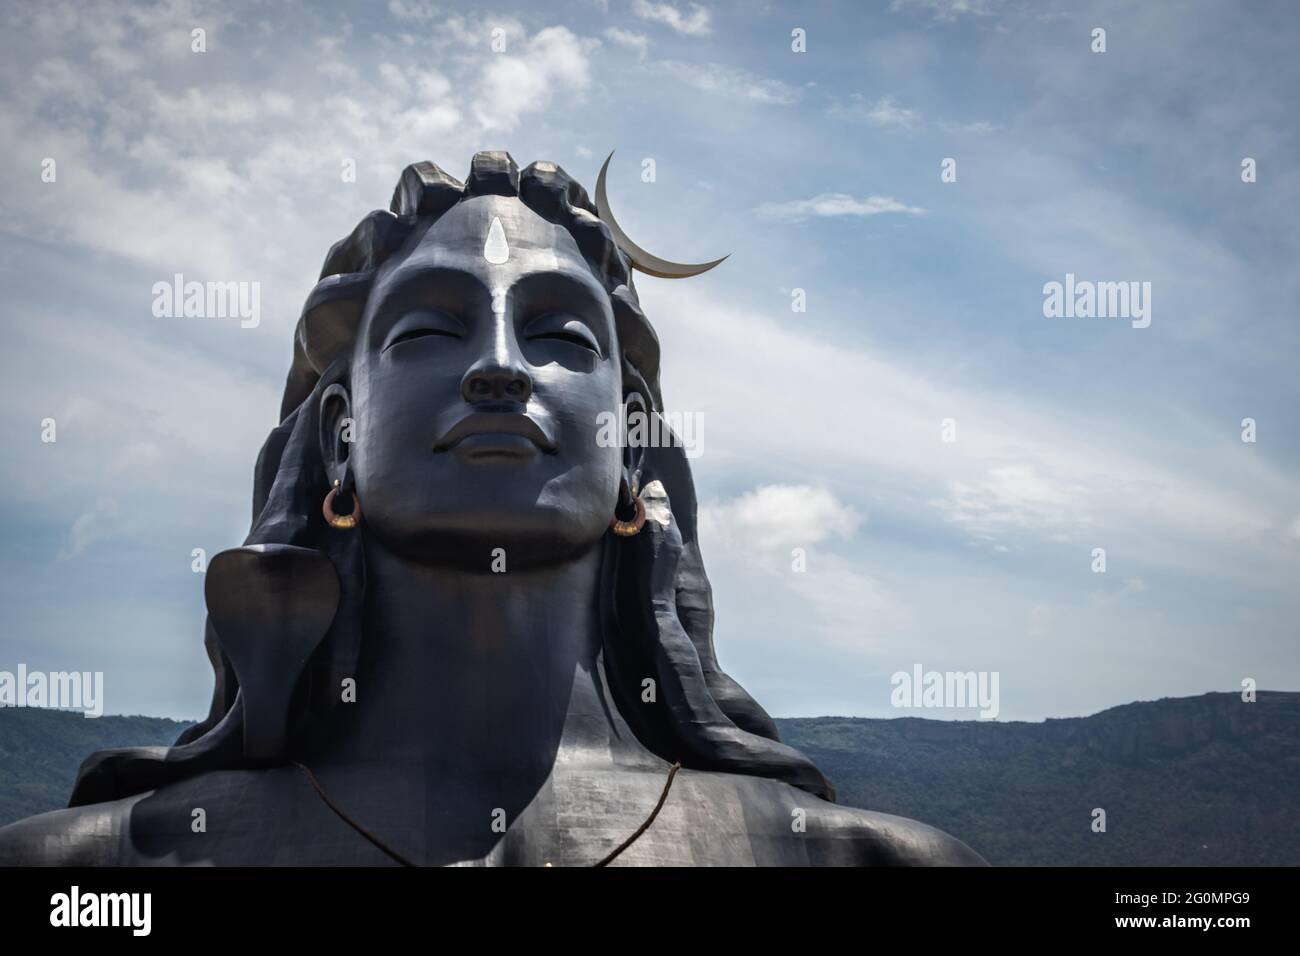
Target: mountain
<point>40,751</point>
<point>1206,780</point>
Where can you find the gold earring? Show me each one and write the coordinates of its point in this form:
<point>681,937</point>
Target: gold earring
<point>626,529</point>
<point>342,522</point>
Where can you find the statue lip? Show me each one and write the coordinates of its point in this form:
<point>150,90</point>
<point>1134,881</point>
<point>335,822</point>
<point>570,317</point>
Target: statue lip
<point>501,423</point>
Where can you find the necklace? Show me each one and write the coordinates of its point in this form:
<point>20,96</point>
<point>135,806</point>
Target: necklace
<point>393,854</point>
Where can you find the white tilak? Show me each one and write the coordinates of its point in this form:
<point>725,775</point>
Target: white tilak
<point>495,248</point>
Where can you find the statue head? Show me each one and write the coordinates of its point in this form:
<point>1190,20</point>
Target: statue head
<point>477,339</point>
<point>456,368</point>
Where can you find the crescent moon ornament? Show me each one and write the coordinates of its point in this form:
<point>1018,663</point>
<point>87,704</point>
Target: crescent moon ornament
<point>643,261</point>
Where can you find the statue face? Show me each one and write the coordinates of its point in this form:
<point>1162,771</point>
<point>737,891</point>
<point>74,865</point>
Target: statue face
<point>485,358</point>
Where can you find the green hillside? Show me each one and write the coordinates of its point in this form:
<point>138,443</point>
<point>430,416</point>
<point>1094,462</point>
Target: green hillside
<point>1204,780</point>
<point>40,751</point>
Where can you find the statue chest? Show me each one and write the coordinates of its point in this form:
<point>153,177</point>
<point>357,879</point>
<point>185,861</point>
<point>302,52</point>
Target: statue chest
<point>576,817</point>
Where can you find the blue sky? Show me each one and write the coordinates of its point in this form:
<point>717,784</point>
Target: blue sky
<point>817,171</point>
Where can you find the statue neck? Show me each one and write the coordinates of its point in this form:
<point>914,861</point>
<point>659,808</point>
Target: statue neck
<point>482,673</point>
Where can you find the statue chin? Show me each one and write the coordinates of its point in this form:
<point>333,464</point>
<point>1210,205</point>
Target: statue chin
<point>490,540</point>
<point>486,525</point>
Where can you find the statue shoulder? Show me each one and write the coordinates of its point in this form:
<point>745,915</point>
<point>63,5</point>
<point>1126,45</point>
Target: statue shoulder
<point>830,834</point>
<point>93,835</point>
<point>157,827</point>
<point>869,838</point>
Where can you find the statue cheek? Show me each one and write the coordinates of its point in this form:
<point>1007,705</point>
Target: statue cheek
<point>610,469</point>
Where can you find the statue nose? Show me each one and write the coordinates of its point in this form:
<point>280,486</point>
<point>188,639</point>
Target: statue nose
<point>496,381</point>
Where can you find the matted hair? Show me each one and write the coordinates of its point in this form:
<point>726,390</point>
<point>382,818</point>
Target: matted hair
<point>703,718</point>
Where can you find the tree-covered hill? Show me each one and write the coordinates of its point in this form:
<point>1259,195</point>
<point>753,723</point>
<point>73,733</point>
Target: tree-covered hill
<point>1207,780</point>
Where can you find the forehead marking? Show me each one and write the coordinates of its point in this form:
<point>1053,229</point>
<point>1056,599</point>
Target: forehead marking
<point>495,248</point>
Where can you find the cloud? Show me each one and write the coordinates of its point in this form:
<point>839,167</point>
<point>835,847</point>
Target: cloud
<point>977,128</point>
<point>834,205</point>
<point>1033,471</point>
<point>886,113</point>
<point>778,517</point>
<point>102,522</point>
<point>415,11</point>
<point>695,24</point>
<point>554,61</point>
<point>950,10</point>
<point>883,112</point>
<point>1015,497</point>
<point>730,82</point>
<point>821,601</point>
<point>478,33</point>
<point>629,39</point>
<point>176,445</point>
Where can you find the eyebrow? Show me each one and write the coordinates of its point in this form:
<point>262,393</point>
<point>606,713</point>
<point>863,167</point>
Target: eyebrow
<point>405,281</point>
<point>572,283</point>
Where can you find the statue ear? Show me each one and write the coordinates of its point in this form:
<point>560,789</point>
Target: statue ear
<point>336,430</point>
<point>637,431</point>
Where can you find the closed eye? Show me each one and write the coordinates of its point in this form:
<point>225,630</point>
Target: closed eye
<point>419,334</point>
<point>562,328</point>
<point>571,337</point>
<point>422,324</point>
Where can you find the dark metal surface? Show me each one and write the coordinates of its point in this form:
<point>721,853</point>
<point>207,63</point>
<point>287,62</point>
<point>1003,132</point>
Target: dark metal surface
<point>523,678</point>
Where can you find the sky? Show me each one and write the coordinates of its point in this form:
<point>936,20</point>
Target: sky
<point>821,173</point>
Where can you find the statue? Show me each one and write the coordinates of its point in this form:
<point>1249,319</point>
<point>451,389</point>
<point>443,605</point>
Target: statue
<point>462,629</point>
